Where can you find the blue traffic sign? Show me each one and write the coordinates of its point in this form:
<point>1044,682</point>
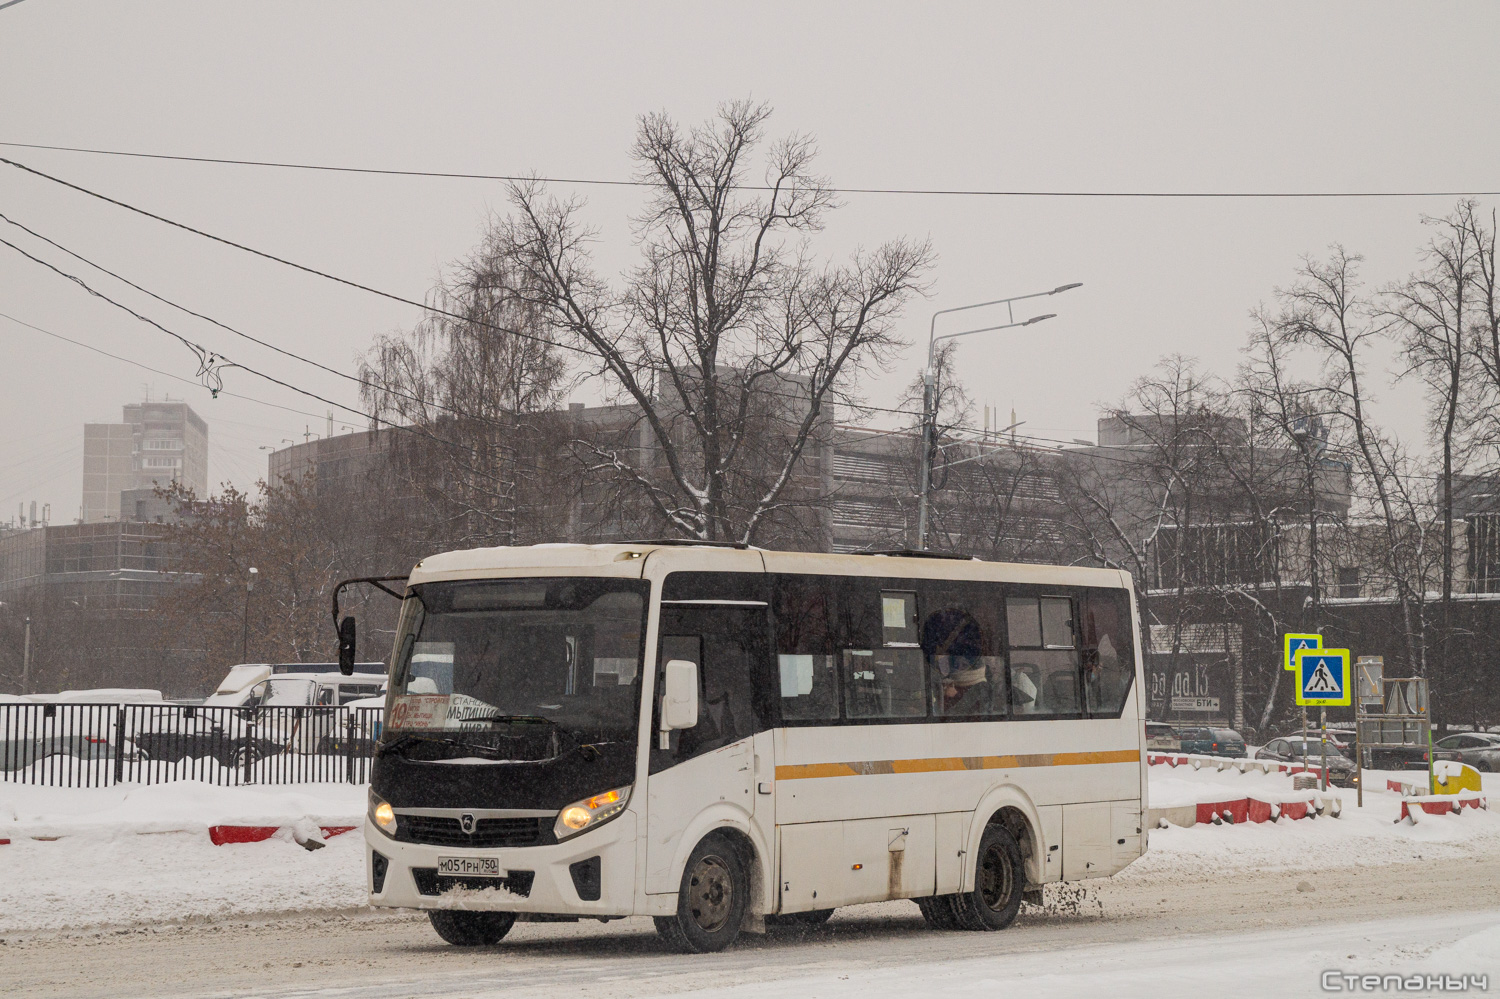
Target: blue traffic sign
<point>1323,677</point>
<point>1293,644</point>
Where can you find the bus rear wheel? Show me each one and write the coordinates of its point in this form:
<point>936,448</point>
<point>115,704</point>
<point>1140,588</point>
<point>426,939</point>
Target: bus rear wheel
<point>471,929</point>
<point>711,902</point>
<point>937,912</point>
<point>999,881</point>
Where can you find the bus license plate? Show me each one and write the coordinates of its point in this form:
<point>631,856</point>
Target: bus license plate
<point>470,867</point>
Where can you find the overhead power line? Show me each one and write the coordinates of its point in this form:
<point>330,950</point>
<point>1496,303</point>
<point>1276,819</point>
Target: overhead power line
<point>426,307</point>
<point>154,371</point>
<point>605,182</point>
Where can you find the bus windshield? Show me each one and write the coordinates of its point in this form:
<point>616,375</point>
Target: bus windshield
<point>503,658</point>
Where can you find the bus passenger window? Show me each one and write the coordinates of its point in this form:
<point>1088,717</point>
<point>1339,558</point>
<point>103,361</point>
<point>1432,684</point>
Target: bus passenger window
<point>805,612</point>
<point>883,683</point>
<point>809,687</point>
<point>1057,622</point>
<point>965,680</point>
<point>1024,622</point>
<point>1109,654</point>
<point>1043,662</point>
<point>898,618</point>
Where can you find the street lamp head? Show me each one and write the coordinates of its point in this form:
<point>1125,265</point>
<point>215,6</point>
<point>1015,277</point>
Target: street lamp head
<point>1037,319</point>
<point>1066,287</point>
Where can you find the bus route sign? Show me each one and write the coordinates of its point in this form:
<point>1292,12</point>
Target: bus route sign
<point>1323,677</point>
<point>1293,644</point>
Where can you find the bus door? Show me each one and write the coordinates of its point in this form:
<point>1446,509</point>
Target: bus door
<point>714,762</point>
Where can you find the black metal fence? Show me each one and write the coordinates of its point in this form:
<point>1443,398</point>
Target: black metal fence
<point>92,745</point>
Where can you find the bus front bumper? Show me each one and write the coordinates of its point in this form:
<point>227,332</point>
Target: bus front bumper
<point>544,880</point>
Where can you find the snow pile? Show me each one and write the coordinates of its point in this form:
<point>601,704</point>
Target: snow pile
<point>96,879</point>
<point>1360,837</point>
<point>141,854</point>
<point>28,810</point>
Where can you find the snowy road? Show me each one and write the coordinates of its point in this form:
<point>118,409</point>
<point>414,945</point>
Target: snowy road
<point>1153,931</point>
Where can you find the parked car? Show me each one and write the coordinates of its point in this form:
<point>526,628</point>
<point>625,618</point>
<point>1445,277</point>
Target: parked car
<point>1162,738</point>
<point>1480,750</point>
<point>1212,741</point>
<point>257,713</point>
<point>1341,770</point>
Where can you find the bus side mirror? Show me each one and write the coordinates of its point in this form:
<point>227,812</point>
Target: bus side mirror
<point>346,646</point>
<point>679,699</point>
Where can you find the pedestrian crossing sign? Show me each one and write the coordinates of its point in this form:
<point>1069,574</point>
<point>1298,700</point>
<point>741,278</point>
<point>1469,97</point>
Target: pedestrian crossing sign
<point>1293,644</point>
<point>1323,677</point>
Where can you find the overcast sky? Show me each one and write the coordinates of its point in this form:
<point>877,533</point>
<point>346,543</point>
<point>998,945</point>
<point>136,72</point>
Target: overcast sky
<point>1096,97</point>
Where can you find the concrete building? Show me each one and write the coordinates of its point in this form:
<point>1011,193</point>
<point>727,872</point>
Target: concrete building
<point>155,444</point>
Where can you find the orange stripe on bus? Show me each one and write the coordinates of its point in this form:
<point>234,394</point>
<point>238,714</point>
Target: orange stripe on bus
<point>803,771</point>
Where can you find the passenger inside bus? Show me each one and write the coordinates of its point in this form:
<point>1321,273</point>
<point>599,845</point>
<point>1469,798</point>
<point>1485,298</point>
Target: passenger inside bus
<point>954,645</point>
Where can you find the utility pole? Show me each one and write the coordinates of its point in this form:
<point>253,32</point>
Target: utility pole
<point>245,629</point>
<point>26,658</point>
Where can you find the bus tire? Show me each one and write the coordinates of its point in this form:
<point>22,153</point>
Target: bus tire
<point>999,882</point>
<point>471,929</point>
<point>712,900</point>
<point>937,912</point>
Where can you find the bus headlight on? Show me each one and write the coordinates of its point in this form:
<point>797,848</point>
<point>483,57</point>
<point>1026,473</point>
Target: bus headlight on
<point>590,812</point>
<point>382,814</point>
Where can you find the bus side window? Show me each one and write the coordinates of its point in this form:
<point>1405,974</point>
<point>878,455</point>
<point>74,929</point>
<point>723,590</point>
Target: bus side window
<point>725,642</point>
<point>960,638</point>
<point>807,666</point>
<point>1109,653</point>
<point>888,680</point>
<point>1043,660</point>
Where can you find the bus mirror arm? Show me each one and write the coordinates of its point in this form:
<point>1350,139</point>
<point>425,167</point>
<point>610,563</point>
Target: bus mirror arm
<point>346,645</point>
<point>679,699</point>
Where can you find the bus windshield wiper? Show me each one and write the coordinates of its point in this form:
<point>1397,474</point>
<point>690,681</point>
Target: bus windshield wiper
<point>407,740</point>
<point>509,719</point>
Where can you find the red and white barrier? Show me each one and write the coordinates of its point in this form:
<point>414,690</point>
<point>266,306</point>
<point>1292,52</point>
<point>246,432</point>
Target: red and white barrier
<point>222,835</point>
<point>1440,804</point>
<point>1251,808</point>
<point>1237,764</point>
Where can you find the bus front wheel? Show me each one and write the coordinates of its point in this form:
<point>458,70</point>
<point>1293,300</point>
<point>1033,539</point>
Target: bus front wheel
<point>471,929</point>
<point>711,902</point>
<point>999,881</point>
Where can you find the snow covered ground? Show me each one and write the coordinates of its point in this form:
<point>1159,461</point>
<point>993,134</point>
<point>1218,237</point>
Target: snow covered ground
<point>1447,947</point>
<point>1360,837</point>
<point>141,854</point>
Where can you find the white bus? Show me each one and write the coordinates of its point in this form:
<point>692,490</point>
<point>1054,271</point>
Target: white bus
<point>720,736</point>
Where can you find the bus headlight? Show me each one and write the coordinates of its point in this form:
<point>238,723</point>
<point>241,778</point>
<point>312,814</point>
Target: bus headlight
<point>590,812</point>
<point>382,814</point>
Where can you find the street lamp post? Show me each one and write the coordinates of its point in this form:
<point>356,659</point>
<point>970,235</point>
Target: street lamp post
<point>929,388</point>
<point>245,628</point>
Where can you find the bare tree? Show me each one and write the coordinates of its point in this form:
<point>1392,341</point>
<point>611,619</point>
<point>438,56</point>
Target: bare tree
<point>1432,315</point>
<point>466,385</point>
<point>1485,324</point>
<point>727,338</point>
<point>1325,309</point>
